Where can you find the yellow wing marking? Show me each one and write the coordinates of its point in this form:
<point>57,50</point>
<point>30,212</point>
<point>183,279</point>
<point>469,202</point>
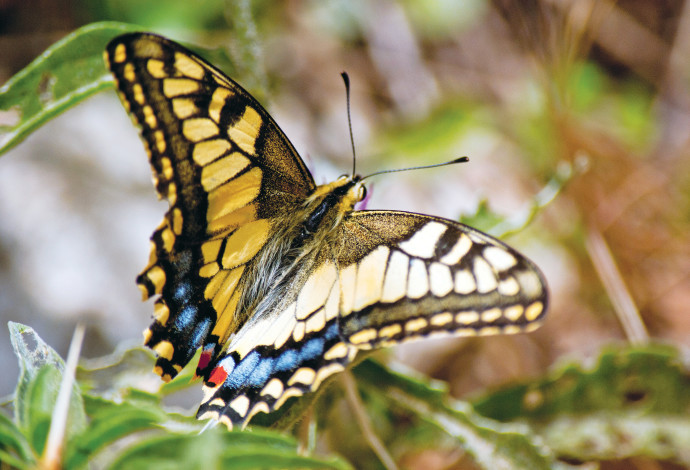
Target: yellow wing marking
<point>157,277</point>
<point>240,405</point>
<point>177,221</point>
<point>210,150</point>
<point>363,336</point>
<point>459,250</point>
<point>164,349</point>
<point>514,313</point>
<point>173,87</point>
<point>533,311</point>
<point>299,331</point>
<point>155,67</point>
<point>316,290</point>
<point>348,283</point>
<point>423,243</point>
<point>414,325</point>
<point>222,290</point>
<point>273,388</point>
<point>159,137</point>
<point>370,273</point>
<point>491,315</point>
<point>333,368</point>
<point>508,286</point>
<point>486,279</point>
<point>149,117</point>
<point>418,281</point>
<point>390,330</point>
<point>220,171</point>
<point>440,279</point>
<point>284,326</point>
<point>120,54</point>
<point>218,100</point>
<point>188,66</point>
<point>467,318</point>
<point>184,107</point>
<point>129,73</point>
<point>464,282</point>
<point>210,250</point>
<point>303,375</point>
<point>138,94</point>
<point>168,238</point>
<point>441,319</point>
<point>245,242</point>
<point>232,220</point>
<point>198,129</point>
<point>498,258</point>
<point>337,351</point>
<point>161,312</point>
<point>395,280</point>
<point>245,132</point>
<point>234,194</point>
<point>316,322</point>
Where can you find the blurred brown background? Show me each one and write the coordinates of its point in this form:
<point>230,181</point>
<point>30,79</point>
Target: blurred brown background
<point>522,88</point>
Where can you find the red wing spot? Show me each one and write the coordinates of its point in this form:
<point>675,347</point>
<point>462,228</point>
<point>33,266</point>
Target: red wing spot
<point>205,358</point>
<point>218,376</point>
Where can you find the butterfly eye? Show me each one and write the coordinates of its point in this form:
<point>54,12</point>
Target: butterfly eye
<point>362,192</point>
<point>343,177</point>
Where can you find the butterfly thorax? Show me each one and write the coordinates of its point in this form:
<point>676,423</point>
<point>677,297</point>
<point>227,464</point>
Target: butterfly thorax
<point>284,261</point>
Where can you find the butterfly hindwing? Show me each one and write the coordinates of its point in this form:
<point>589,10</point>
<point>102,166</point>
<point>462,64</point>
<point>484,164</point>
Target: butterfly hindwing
<point>391,277</point>
<point>227,171</point>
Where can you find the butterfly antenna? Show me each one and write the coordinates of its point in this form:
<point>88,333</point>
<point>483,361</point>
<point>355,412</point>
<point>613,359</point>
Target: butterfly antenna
<point>346,79</point>
<point>423,167</point>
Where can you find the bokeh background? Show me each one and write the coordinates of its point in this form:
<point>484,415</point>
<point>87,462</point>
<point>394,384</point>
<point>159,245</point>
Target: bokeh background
<point>529,90</point>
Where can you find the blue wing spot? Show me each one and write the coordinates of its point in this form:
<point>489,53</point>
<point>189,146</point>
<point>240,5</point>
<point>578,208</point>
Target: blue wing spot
<point>186,317</point>
<point>287,360</point>
<point>201,330</point>
<point>331,332</point>
<point>311,349</point>
<point>227,363</point>
<point>184,263</point>
<point>262,372</point>
<point>181,293</point>
<point>242,373</point>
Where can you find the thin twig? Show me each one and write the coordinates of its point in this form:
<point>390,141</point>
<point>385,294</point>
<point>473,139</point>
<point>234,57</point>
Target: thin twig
<point>372,439</point>
<point>52,456</point>
<point>610,276</point>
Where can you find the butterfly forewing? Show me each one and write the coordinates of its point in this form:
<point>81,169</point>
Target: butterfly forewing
<point>227,172</point>
<point>278,281</point>
<point>412,275</point>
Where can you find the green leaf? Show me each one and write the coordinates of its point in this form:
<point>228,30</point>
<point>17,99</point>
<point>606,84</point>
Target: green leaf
<point>109,422</point>
<point>218,448</point>
<point>14,449</point>
<point>492,444</point>
<point>633,402</point>
<point>40,373</point>
<point>116,374</point>
<point>65,74</point>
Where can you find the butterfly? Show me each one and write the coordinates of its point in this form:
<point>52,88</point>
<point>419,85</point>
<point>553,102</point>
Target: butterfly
<point>279,281</point>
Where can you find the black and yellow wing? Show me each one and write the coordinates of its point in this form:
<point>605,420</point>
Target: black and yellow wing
<point>228,173</point>
<point>278,281</point>
<point>389,277</point>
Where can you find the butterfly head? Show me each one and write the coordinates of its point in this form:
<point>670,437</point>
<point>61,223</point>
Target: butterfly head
<point>344,192</point>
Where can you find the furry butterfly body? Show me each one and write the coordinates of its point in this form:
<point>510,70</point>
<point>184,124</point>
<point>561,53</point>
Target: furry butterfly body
<point>279,281</point>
